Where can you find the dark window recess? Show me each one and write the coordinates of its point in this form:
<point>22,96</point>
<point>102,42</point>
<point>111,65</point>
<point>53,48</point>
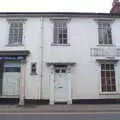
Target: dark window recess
<point>12,69</point>
<point>33,68</point>
<point>57,70</point>
<point>63,71</point>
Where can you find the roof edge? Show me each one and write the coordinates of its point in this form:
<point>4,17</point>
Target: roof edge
<point>71,14</point>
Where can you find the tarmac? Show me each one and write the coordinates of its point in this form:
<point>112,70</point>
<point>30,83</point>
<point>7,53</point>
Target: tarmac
<point>78,108</point>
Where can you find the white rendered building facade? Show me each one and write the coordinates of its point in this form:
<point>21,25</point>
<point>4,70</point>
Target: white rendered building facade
<point>59,57</point>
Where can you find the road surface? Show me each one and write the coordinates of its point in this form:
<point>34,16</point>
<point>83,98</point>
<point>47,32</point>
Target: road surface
<point>57,116</point>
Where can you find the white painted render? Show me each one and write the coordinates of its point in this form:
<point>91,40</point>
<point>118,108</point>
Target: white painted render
<point>82,36</point>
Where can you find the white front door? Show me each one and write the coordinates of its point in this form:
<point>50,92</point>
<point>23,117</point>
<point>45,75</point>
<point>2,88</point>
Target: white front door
<point>61,84</point>
<point>11,78</point>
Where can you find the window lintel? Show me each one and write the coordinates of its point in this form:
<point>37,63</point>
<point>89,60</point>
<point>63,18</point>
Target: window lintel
<point>107,61</point>
<point>10,20</point>
<point>104,20</point>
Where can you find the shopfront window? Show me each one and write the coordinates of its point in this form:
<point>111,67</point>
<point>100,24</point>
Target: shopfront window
<point>11,67</point>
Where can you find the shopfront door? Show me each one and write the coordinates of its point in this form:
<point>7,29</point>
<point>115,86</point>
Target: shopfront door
<point>11,78</point>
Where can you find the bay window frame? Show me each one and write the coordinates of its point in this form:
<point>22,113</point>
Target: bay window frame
<point>116,69</point>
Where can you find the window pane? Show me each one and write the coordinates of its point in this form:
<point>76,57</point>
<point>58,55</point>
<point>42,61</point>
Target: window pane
<point>57,70</point>
<point>103,80</point>
<point>63,71</point>
<point>113,88</point>
<point>64,35</point>
<point>12,69</point>
<point>102,73</point>
<point>108,80</point>
<point>113,74</point>
<point>113,81</point>
<point>109,88</point>
<point>103,88</point>
<point>112,67</point>
<point>65,41</point>
<point>103,66</point>
<point>107,66</point>
<point>107,73</point>
<point>33,68</point>
<point>60,36</point>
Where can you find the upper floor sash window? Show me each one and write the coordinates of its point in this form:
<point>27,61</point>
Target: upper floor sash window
<point>104,33</point>
<point>60,32</point>
<point>15,32</point>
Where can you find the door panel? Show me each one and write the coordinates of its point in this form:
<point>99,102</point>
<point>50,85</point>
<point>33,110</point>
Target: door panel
<point>61,84</point>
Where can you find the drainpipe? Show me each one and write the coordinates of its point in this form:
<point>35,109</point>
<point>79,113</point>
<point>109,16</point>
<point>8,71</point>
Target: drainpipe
<point>42,56</point>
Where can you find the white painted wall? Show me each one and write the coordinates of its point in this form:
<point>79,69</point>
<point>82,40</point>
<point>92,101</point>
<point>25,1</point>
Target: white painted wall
<point>32,42</point>
<point>82,35</point>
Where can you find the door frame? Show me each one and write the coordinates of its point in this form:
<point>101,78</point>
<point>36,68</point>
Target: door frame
<point>52,77</point>
<point>1,82</point>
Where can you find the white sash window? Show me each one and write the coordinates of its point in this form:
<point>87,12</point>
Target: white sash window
<point>15,31</point>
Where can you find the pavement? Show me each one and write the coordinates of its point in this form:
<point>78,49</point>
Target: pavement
<point>78,108</point>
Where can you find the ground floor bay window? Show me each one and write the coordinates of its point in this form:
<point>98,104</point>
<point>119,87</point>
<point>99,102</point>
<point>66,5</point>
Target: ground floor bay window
<point>108,80</point>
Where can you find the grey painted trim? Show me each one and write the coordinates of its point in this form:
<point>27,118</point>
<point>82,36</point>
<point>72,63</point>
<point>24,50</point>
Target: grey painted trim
<point>15,53</point>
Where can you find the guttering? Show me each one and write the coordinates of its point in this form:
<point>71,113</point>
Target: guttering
<point>60,14</point>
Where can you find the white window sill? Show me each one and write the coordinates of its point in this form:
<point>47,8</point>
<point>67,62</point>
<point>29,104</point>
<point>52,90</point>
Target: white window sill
<point>106,45</point>
<point>109,93</point>
<point>14,45</point>
<point>55,44</point>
